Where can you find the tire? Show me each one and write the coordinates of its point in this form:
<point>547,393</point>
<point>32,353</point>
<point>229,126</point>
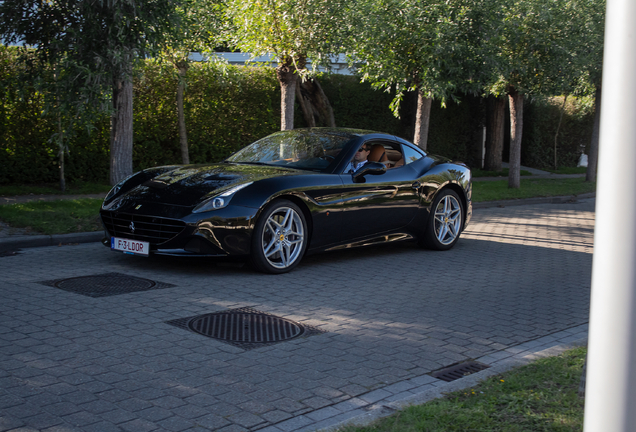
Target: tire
<point>280,238</point>
<point>444,224</point>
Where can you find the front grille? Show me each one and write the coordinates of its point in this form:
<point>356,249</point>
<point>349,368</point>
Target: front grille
<point>155,230</point>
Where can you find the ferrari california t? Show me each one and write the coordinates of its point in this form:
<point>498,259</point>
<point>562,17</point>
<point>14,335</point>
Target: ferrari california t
<point>292,193</point>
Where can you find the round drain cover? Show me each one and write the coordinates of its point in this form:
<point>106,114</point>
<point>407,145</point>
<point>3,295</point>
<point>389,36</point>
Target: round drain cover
<point>107,283</point>
<point>245,327</point>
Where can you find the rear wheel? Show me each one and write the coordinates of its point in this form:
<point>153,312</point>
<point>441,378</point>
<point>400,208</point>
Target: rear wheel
<point>280,238</point>
<point>445,221</point>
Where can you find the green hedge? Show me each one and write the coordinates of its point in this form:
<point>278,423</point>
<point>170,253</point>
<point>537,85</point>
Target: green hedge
<point>227,107</point>
<point>541,120</point>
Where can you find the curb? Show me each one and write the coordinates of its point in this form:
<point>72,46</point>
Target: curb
<point>530,201</point>
<point>18,242</point>
<point>441,389</point>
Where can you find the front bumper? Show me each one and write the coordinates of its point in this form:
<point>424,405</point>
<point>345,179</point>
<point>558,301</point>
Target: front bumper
<point>224,232</point>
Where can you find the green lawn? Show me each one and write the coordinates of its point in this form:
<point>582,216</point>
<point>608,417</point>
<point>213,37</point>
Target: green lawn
<point>54,189</point>
<point>530,188</point>
<point>541,396</point>
<point>78,215</point>
<point>503,173</point>
<point>54,217</point>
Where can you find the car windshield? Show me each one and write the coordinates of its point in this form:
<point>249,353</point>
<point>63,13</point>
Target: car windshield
<point>300,149</point>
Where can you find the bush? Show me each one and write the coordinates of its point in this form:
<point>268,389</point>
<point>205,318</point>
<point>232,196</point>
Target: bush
<point>541,119</point>
<point>227,107</point>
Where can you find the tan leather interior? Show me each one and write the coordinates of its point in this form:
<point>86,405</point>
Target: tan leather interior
<point>377,154</point>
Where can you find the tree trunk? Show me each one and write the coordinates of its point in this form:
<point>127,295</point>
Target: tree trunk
<point>305,105</point>
<point>592,158</point>
<point>556,135</point>
<point>516,128</point>
<point>183,135</point>
<point>121,133</point>
<point>495,125</point>
<point>422,119</point>
<point>60,135</point>
<point>60,141</point>
<point>287,76</point>
<point>314,103</point>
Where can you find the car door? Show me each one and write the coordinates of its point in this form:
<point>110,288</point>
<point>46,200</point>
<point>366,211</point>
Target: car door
<point>383,203</point>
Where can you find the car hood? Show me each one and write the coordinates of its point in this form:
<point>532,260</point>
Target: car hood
<point>188,185</point>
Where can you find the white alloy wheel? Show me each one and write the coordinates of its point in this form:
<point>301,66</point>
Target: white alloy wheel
<point>280,238</point>
<point>448,220</point>
<point>445,221</point>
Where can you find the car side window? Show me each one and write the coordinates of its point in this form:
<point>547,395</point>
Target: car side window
<point>411,154</point>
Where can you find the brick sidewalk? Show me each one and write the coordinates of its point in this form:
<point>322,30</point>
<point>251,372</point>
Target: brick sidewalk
<point>517,281</point>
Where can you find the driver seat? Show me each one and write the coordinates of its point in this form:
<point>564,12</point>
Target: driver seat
<point>378,154</point>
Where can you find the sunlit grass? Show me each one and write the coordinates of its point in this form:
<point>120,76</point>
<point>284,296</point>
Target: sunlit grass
<point>69,216</point>
<point>541,396</point>
<point>503,173</point>
<point>54,217</point>
<point>54,189</point>
<point>568,170</point>
<point>530,188</point>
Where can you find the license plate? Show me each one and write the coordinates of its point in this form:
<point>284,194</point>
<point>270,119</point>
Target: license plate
<point>132,247</point>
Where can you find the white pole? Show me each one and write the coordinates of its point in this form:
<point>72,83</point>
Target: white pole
<point>611,369</point>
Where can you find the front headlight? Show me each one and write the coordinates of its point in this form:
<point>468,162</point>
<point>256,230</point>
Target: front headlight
<point>219,201</point>
<point>115,190</point>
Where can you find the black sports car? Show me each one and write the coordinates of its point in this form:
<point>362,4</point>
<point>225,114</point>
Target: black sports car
<point>292,193</point>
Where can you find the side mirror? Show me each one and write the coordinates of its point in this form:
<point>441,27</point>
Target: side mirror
<point>372,168</point>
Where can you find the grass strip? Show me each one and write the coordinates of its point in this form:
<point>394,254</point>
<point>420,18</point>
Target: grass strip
<point>530,188</point>
<point>476,172</point>
<point>53,189</point>
<point>568,170</point>
<point>54,217</point>
<point>541,396</point>
<point>82,215</point>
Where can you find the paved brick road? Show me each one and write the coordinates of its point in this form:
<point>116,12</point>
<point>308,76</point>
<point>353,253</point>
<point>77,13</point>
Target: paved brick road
<point>390,315</point>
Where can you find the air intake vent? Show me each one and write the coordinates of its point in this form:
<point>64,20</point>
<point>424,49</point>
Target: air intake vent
<point>154,230</point>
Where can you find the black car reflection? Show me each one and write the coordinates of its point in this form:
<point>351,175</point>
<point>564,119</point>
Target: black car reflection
<point>288,194</point>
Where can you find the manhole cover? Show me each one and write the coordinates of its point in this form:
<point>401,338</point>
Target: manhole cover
<point>108,284</point>
<point>246,327</point>
<point>458,371</point>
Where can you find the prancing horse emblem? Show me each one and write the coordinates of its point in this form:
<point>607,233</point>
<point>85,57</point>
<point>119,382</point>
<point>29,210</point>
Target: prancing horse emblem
<point>132,227</point>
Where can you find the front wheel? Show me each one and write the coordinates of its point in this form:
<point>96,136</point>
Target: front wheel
<point>445,221</point>
<point>280,238</point>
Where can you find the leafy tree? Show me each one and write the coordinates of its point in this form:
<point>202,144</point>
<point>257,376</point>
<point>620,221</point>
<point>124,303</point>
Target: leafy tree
<point>433,47</point>
<point>588,37</point>
<point>101,39</point>
<point>200,30</point>
<point>293,31</point>
<point>531,52</point>
<point>64,98</point>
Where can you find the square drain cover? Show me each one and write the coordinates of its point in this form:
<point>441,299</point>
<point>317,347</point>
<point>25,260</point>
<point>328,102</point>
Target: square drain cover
<point>104,285</point>
<point>458,371</point>
<point>246,328</point>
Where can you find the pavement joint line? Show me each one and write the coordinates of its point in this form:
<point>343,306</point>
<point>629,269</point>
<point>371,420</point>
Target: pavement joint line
<point>374,410</point>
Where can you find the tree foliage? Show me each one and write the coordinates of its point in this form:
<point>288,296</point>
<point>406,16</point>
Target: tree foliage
<point>293,31</point>
<point>200,31</point>
<point>97,41</point>
<point>433,47</point>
